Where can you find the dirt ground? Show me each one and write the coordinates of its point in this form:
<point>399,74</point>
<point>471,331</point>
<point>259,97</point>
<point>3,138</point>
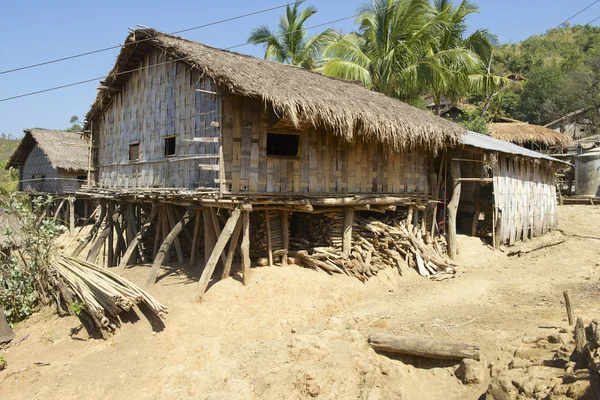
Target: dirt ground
<point>294,333</point>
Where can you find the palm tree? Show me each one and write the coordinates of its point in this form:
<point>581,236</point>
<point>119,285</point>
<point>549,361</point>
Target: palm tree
<point>290,44</point>
<point>397,50</point>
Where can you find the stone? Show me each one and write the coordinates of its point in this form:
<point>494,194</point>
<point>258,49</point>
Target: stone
<point>501,389</point>
<point>527,353</point>
<point>555,338</point>
<point>470,372</point>
<point>519,363</point>
<point>578,389</point>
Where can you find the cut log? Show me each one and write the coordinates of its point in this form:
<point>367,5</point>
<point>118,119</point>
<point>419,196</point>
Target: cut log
<point>423,347</point>
<point>164,248</point>
<point>136,239</point>
<point>209,268</point>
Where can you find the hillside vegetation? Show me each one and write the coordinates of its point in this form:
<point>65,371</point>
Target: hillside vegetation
<point>7,147</point>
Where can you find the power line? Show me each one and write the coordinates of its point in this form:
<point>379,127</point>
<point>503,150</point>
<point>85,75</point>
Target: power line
<point>592,21</point>
<point>167,62</point>
<point>573,16</point>
<point>87,53</point>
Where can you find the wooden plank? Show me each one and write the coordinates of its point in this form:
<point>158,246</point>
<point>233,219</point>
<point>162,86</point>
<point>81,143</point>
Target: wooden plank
<point>209,268</point>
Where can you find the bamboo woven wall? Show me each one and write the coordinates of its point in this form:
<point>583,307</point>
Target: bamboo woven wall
<point>37,165</point>
<point>326,164</point>
<point>525,193</point>
<point>155,103</point>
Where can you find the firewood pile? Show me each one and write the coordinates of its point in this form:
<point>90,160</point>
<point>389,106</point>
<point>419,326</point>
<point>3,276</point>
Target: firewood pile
<point>258,232</point>
<point>317,230</point>
<point>391,242</point>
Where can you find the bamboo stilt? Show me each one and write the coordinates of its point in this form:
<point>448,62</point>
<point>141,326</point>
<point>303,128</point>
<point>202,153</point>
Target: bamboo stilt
<point>246,246</point>
<point>194,250</point>
<point>173,222</point>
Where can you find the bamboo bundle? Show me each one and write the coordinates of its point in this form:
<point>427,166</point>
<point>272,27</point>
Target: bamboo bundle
<point>392,242</point>
<point>103,293</point>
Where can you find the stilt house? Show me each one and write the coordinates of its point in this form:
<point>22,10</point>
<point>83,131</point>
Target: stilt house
<point>297,158</point>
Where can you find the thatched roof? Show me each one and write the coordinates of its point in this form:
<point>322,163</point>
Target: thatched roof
<point>521,132</point>
<point>65,150</point>
<point>347,108</point>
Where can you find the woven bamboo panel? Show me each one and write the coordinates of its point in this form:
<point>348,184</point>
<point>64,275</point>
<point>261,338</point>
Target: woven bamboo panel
<point>325,164</point>
<point>525,194</point>
<point>158,102</point>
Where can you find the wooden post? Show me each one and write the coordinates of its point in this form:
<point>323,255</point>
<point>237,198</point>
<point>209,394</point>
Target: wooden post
<point>136,239</point>
<point>194,250</point>
<point>111,234</point>
<point>232,247</point>
<point>215,221</point>
<point>580,342</point>
<point>209,234</point>
<point>498,230</point>
<point>569,307</point>
<point>209,268</point>
<point>476,211</point>
<point>285,236</point>
<point>92,232</point>
<point>165,229</point>
<point>158,232</point>
<point>71,214</point>
<point>130,230</point>
<point>60,205</point>
<point>85,208</point>
<point>246,246</point>
<point>164,248</point>
<point>173,222</point>
<point>453,207</point>
<point>269,244</point>
<point>347,235</point>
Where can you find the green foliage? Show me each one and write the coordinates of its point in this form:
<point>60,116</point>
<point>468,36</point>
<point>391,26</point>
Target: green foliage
<point>75,125</point>
<point>539,92</point>
<point>77,307</point>
<point>289,43</point>
<point>8,178</point>
<point>3,362</point>
<point>473,121</point>
<point>22,284</point>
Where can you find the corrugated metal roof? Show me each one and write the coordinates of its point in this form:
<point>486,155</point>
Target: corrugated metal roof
<point>489,143</point>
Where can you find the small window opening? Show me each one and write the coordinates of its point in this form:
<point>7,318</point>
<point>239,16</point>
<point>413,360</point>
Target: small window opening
<point>81,178</point>
<point>134,152</point>
<point>170,146</point>
<point>283,145</point>
<point>43,178</point>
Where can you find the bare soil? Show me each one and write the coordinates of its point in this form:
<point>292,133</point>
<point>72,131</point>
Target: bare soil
<point>294,333</point>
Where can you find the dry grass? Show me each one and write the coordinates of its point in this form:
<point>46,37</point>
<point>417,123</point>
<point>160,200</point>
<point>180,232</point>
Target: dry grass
<point>522,132</point>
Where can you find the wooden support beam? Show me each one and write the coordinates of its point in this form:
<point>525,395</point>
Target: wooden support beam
<point>269,243</point>
<point>476,211</point>
<point>133,245</point>
<point>217,226</point>
<point>235,238</point>
<point>158,232</point>
<point>71,214</point>
<point>119,229</point>
<point>166,228</point>
<point>285,236</point>
<point>164,249</point>
<point>185,229</point>
<point>194,251</point>
<point>209,234</point>
<point>347,233</point>
<point>130,230</point>
<point>111,234</point>
<point>173,222</point>
<point>453,208</point>
<point>60,205</point>
<point>209,268</point>
<point>246,247</point>
<point>92,231</point>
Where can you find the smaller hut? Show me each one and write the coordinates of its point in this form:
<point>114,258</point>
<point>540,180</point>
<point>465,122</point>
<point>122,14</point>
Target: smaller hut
<point>529,136</point>
<point>51,161</point>
<point>56,163</point>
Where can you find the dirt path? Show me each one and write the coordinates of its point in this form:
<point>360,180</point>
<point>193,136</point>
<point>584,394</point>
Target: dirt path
<point>296,333</point>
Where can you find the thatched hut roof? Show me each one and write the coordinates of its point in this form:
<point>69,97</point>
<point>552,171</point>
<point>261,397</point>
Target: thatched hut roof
<point>345,107</point>
<point>521,132</point>
<point>65,150</point>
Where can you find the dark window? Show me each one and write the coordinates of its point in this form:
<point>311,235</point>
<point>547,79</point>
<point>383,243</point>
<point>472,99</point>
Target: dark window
<point>170,146</point>
<point>81,178</point>
<point>283,145</point>
<point>134,152</point>
<point>43,178</point>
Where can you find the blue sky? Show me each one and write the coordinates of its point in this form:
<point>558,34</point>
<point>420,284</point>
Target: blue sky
<point>36,31</point>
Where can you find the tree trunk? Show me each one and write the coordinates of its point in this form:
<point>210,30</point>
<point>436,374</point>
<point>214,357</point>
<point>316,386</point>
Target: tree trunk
<point>453,208</point>
<point>423,347</point>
